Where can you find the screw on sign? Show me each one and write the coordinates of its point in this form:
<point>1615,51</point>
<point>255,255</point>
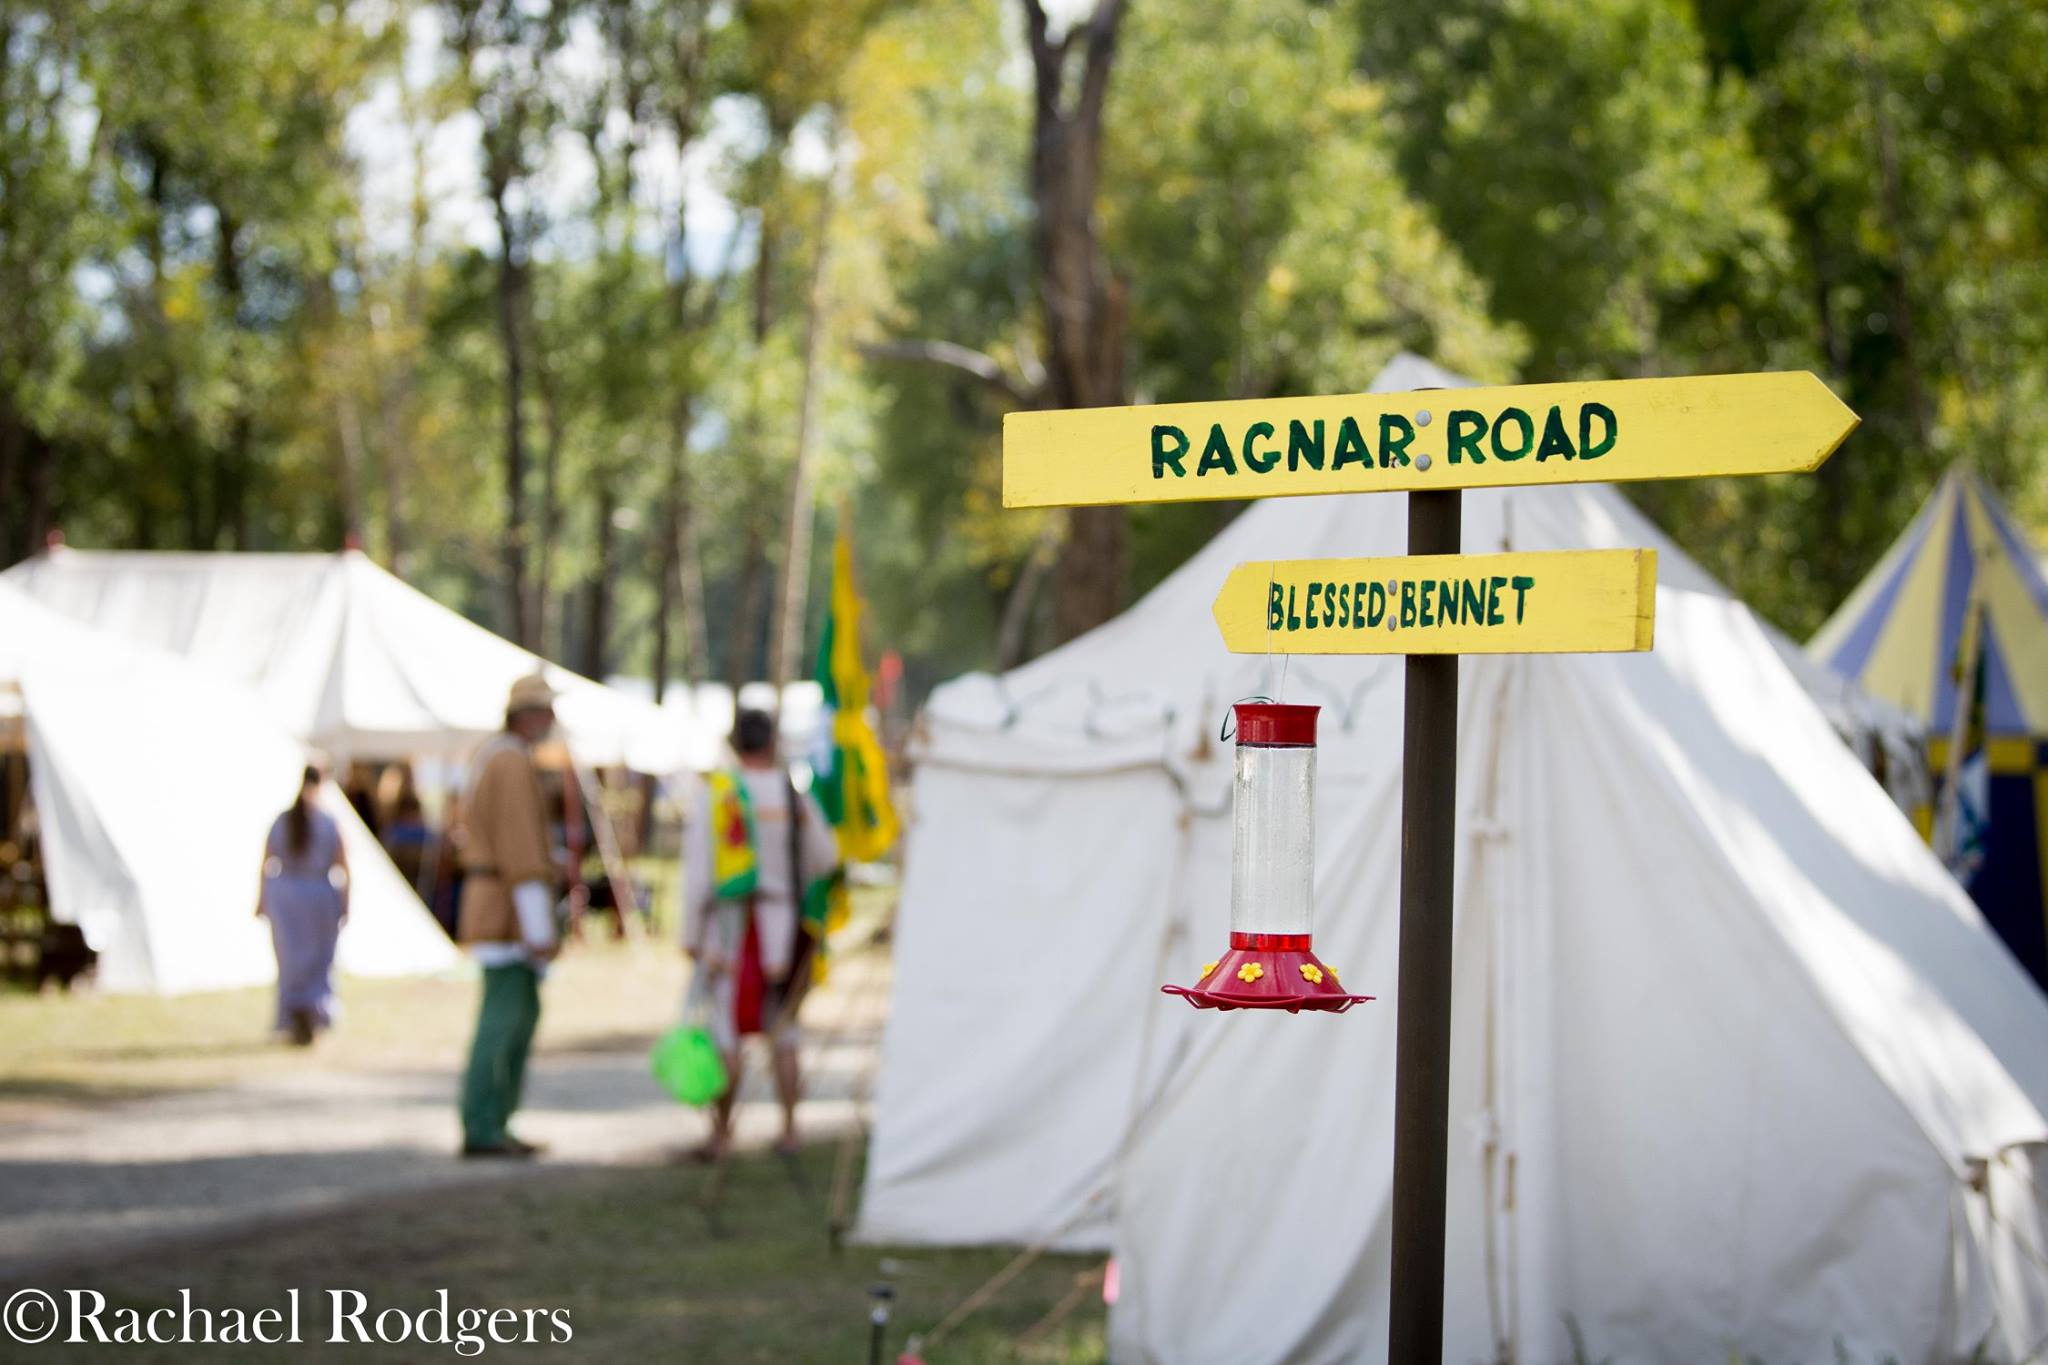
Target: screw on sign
<point>1430,606</point>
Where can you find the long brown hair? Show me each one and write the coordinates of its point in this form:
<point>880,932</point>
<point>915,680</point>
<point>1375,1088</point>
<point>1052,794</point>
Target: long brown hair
<point>298,821</point>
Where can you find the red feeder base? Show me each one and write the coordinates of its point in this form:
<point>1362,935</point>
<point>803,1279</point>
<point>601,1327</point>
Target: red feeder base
<point>1268,972</point>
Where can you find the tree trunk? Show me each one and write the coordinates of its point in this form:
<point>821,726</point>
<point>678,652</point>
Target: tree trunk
<point>748,596</point>
<point>679,590</point>
<point>1083,305</point>
<point>38,473</point>
<point>1902,268</point>
<point>684,91</point>
<point>696,633</point>
<point>744,641</point>
<point>27,461</point>
<point>14,544</point>
<point>232,466</point>
<point>394,400</point>
<point>396,390</point>
<point>597,607</point>
<point>165,424</point>
<point>512,545</point>
<point>794,589</point>
<point>348,432</point>
<point>664,608</point>
<point>554,425</point>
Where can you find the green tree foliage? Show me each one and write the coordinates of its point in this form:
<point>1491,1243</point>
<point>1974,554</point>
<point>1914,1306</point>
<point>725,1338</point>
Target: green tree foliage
<point>1654,187</point>
<point>46,233</point>
<point>208,338</point>
<point>1276,249</point>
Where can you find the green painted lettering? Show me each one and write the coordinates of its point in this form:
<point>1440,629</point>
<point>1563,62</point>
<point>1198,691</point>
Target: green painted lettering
<point>1256,460</point>
<point>1587,449</point>
<point>1216,454</point>
<point>1447,602</point>
<point>1407,605</point>
<point>1396,432</point>
<point>1357,605</point>
<point>1351,447</point>
<point>1274,616</point>
<point>1293,621</point>
<point>1466,429</point>
<point>1375,603</point>
<point>1555,442</point>
<point>1522,585</point>
<point>1493,587</point>
<point>1169,447</point>
<point>1304,448</point>
<point>1310,614</point>
<point>1474,604</point>
<point>1501,451</point>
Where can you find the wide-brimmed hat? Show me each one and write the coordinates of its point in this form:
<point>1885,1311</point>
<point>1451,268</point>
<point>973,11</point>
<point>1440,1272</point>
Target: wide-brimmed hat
<point>531,693</point>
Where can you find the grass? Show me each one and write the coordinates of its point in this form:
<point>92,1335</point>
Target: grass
<point>628,1253</point>
<point>630,1258</point>
<point>86,1046</point>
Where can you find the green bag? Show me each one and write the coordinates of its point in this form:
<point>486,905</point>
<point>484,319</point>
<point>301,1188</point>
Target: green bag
<point>687,1064</point>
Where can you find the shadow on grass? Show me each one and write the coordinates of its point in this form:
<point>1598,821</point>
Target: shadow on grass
<point>96,1094</point>
<point>183,1052</point>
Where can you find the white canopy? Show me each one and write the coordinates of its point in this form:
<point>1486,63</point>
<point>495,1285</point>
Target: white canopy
<point>345,655</point>
<point>155,785</point>
<point>1735,1064</point>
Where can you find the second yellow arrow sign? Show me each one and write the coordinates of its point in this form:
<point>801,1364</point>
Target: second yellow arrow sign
<point>1580,602</point>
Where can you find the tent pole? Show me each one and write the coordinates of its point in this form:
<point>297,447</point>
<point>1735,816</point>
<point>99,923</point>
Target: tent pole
<point>1422,1050</point>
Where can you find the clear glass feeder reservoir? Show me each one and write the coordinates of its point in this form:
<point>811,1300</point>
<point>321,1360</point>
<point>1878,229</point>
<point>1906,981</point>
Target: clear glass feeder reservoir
<point>1271,962</point>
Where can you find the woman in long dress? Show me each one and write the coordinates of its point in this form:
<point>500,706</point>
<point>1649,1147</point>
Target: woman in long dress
<point>305,898</point>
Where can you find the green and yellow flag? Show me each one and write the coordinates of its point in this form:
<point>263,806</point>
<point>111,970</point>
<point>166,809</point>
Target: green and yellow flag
<point>850,775</point>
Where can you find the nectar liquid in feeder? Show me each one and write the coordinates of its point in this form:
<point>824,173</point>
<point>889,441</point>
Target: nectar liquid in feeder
<point>1271,963</point>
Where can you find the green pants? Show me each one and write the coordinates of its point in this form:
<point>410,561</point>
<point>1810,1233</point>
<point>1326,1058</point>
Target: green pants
<point>497,1056</point>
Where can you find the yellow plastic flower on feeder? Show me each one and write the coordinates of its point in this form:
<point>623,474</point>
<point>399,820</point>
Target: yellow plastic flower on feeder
<point>1207,967</point>
<point>1331,972</point>
<point>1312,973</point>
<point>1250,972</point>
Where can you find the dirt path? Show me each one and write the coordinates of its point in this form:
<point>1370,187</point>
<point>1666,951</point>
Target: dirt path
<point>83,1180</point>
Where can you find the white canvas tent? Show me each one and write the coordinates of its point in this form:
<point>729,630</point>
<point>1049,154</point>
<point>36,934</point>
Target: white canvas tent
<point>155,785</point>
<point>345,655</point>
<point>1735,1065</point>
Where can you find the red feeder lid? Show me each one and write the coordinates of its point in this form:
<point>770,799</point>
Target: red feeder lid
<point>1268,724</point>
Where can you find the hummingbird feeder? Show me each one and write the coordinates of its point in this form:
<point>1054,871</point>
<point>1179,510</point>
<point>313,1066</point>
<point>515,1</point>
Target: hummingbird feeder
<point>1270,964</point>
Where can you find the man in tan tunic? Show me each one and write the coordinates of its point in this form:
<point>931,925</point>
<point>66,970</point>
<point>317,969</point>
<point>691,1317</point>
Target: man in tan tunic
<point>507,916</point>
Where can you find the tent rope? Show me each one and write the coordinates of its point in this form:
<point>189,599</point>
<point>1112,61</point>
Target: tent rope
<point>996,1283</point>
<point>1084,1282</point>
<point>1141,1109</point>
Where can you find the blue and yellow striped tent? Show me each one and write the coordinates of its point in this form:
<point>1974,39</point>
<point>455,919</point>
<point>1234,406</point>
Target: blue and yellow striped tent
<point>1902,636</point>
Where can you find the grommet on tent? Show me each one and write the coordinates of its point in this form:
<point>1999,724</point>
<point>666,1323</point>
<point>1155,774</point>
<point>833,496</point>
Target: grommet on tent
<point>1271,964</point>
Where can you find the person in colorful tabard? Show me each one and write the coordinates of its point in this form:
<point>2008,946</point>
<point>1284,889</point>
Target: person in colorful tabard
<point>305,898</point>
<point>507,915</point>
<point>756,847</point>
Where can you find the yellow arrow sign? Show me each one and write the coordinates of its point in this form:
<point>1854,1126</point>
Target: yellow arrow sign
<point>1609,431</point>
<point>1567,602</point>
